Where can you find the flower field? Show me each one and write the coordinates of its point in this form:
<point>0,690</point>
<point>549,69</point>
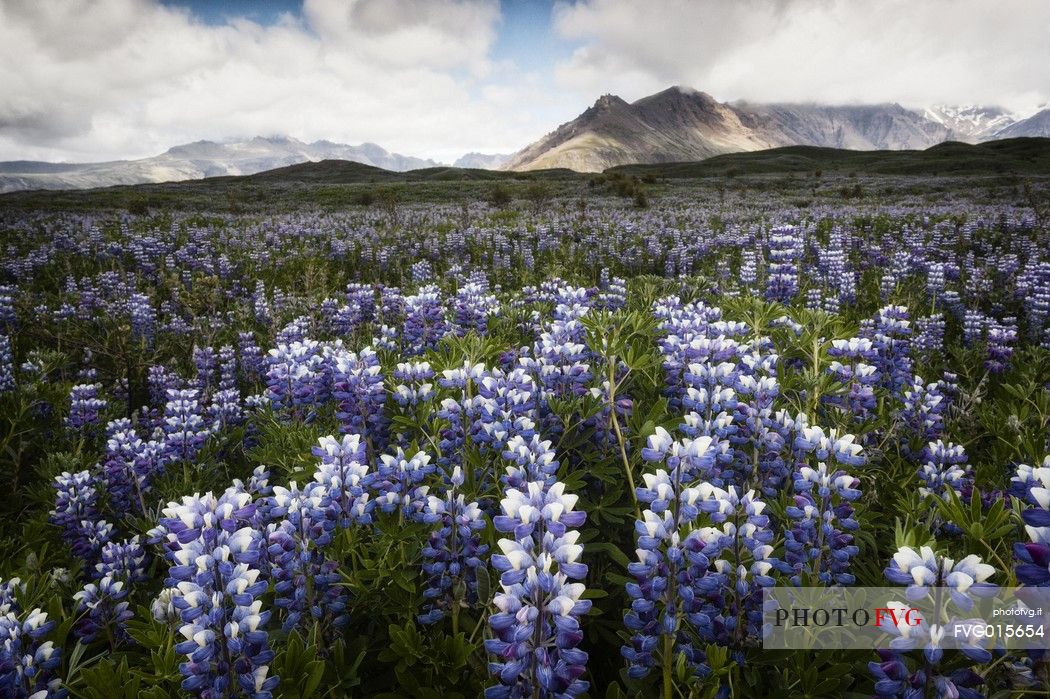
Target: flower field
<point>454,451</point>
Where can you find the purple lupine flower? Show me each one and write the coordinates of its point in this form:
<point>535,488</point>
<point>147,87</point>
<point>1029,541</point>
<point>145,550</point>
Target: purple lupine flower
<point>924,408</point>
<point>357,383</point>
<point>1001,340</point>
<point>944,466</point>
<point>215,548</point>
<point>143,318</point>
<point>28,664</point>
<point>785,251</point>
<point>1032,487</point>
<point>295,375</point>
<point>7,369</point>
<point>927,573</point>
<point>398,480</point>
<point>453,552</point>
<point>819,542</point>
<point>103,607</point>
<point>305,579</point>
<point>891,337</point>
<point>425,323</point>
<point>537,630</point>
<point>76,513</point>
<point>250,357</point>
<point>343,471</point>
<point>85,406</point>
<point>184,427</point>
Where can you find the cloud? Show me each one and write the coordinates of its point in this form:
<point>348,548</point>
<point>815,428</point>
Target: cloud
<point>84,80</point>
<point>835,51</point>
<point>90,79</point>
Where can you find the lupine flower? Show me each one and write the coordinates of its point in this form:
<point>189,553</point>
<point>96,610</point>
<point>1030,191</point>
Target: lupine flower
<point>305,580</point>
<point>925,573</point>
<point>398,481</point>
<point>85,406</point>
<point>1032,487</point>
<point>537,628</point>
<point>7,370</point>
<point>785,249</point>
<point>185,428</point>
<point>343,471</point>
<point>215,563</point>
<point>944,466</point>
<point>357,383</point>
<point>819,541</point>
<point>924,408</point>
<point>76,512</point>
<point>103,608</point>
<point>27,662</point>
<point>453,551</point>
<point>923,569</point>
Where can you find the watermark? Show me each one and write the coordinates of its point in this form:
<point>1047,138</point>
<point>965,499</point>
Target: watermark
<point>821,618</point>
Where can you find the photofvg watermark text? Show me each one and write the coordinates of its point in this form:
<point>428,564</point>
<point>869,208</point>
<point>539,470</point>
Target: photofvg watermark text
<point>820,618</point>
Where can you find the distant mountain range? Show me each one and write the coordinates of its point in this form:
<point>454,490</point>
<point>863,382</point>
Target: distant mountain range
<point>681,124</point>
<point>197,160</point>
<point>677,125</point>
<point>482,161</point>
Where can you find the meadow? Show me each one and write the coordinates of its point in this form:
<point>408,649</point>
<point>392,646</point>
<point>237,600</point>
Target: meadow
<point>515,437</point>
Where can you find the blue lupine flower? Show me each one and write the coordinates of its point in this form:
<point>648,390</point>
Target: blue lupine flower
<point>1032,487</point>
<point>785,250</point>
<point>537,629</point>
<point>425,322</point>
<point>944,467</point>
<point>215,567</point>
<point>85,406</point>
<point>343,471</point>
<point>357,383</point>
<point>186,430</point>
<point>924,408</point>
<point>76,512</point>
<point>819,542</point>
<point>891,336</point>
<point>295,377</point>
<point>453,552</point>
<point>103,607</point>
<point>27,663</point>
<point>305,579</point>
<point>926,573</point>
<point>143,318</point>
<point>398,482</point>
<point>7,369</point>
<point>922,569</point>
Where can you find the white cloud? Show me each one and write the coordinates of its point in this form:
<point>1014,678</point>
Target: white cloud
<point>91,79</point>
<point>85,80</point>
<point>835,51</point>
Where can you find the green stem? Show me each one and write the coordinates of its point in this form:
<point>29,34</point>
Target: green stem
<point>610,363</point>
<point>668,667</point>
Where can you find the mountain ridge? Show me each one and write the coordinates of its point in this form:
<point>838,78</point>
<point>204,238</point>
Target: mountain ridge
<point>684,124</point>
<point>198,160</point>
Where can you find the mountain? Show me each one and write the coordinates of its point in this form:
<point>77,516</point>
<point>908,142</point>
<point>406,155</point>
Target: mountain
<point>1036,125</point>
<point>482,161</point>
<point>682,124</point>
<point>972,123</point>
<point>197,160</point>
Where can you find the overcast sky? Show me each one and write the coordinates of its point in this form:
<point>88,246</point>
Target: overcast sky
<point>87,80</point>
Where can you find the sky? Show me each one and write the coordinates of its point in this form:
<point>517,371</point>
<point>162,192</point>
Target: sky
<point>95,80</point>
